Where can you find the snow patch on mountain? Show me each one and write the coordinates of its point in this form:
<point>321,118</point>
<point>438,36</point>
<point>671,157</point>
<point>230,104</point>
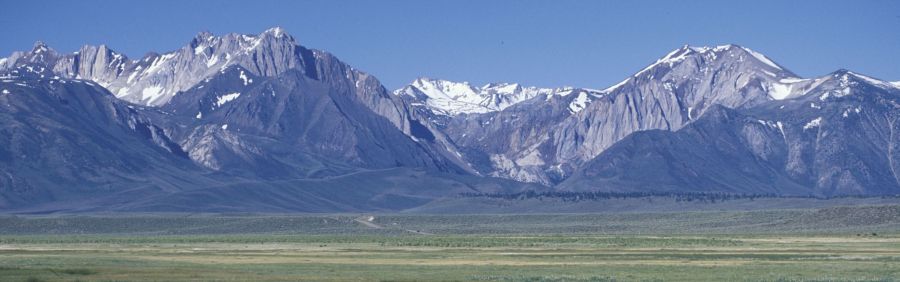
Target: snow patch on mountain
<point>873,81</point>
<point>212,61</point>
<point>277,31</point>
<point>779,91</point>
<point>669,59</point>
<point>813,123</point>
<point>580,102</point>
<point>614,87</point>
<point>762,58</point>
<point>245,79</point>
<point>847,111</point>
<point>152,93</point>
<point>453,98</point>
<point>221,100</point>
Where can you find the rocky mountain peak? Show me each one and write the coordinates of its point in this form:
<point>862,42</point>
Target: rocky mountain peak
<point>40,47</point>
<point>203,36</point>
<point>276,32</point>
<point>154,79</point>
<point>705,58</point>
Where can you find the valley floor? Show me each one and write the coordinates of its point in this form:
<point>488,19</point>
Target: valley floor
<point>460,258</point>
<point>832,244</point>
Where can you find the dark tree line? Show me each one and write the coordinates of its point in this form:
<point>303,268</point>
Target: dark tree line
<point>570,196</point>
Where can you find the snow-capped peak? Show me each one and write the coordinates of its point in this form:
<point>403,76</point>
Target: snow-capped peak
<point>277,31</point>
<point>843,83</point>
<point>762,58</point>
<point>873,81</point>
<point>703,49</point>
<point>616,86</point>
<point>204,36</point>
<point>453,98</point>
<point>39,47</point>
<point>444,89</point>
<point>712,53</point>
<point>722,48</point>
<point>695,63</point>
<point>502,87</point>
<point>156,78</point>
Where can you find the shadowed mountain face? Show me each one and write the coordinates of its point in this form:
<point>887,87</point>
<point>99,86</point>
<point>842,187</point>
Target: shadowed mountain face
<point>68,139</point>
<point>293,125</point>
<point>259,122</point>
<point>307,117</point>
<point>70,146</point>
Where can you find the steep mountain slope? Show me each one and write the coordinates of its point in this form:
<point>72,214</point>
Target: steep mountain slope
<point>261,123</point>
<point>667,95</point>
<point>835,138</point>
<point>541,142</point>
<point>69,139</point>
<point>293,126</point>
<point>241,63</point>
<point>71,146</point>
<point>508,143</point>
<point>497,127</point>
<point>156,78</point>
<point>280,119</point>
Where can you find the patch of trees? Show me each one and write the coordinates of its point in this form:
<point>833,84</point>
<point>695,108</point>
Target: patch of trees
<point>570,196</point>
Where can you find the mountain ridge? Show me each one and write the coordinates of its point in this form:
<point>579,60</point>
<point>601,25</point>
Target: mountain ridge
<point>264,110</point>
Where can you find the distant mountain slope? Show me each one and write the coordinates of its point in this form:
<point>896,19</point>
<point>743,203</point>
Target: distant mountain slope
<point>536,139</point>
<point>542,141</point>
<point>512,143</point>
<point>70,146</point>
<point>669,94</point>
<point>311,117</point>
<point>837,138</point>
<point>156,78</point>
<point>357,124</point>
<point>259,122</point>
<point>66,139</point>
<point>450,98</point>
<point>293,125</point>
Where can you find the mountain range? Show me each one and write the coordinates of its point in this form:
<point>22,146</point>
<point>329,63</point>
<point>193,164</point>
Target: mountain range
<point>261,123</point>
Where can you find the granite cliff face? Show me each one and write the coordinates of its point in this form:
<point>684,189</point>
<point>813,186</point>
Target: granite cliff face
<point>353,121</point>
<point>836,138</point>
<point>246,108</point>
<point>154,79</point>
<point>547,138</point>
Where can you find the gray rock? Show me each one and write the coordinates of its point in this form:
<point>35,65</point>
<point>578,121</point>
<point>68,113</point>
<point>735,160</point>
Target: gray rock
<point>836,138</point>
<point>544,139</point>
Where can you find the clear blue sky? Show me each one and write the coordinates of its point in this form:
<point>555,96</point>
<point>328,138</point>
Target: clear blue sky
<point>543,43</point>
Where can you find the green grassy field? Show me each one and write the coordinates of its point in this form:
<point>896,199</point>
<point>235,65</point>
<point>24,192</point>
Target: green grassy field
<point>857,244</point>
<point>451,258</point>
